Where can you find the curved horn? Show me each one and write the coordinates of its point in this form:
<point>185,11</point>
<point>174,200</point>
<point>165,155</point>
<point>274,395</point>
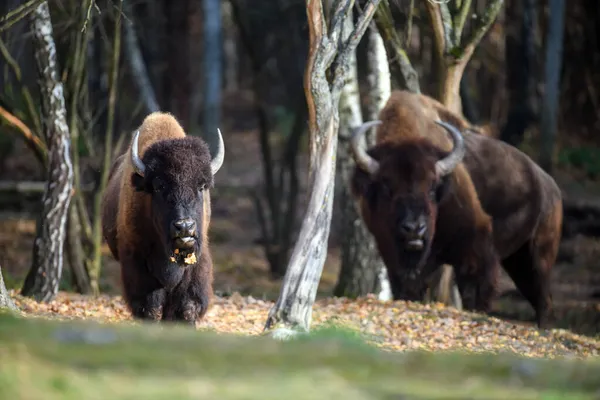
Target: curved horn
<point>447,164</point>
<point>217,160</point>
<point>362,159</point>
<point>138,165</point>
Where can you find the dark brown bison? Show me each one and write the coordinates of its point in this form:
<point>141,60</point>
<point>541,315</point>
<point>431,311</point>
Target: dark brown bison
<point>155,217</point>
<point>471,201</point>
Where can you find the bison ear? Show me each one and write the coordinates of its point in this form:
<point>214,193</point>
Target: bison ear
<point>443,188</point>
<point>138,182</point>
<point>360,183</point>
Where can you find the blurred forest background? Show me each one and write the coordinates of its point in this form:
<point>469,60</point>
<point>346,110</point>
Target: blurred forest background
<point>238,65</point>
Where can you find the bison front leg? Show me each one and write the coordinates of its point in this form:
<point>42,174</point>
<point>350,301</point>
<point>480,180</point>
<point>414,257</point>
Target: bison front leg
<point>143,294</point>
<point>477,276</point>
<point>189,302</point>
<point>150,306</point>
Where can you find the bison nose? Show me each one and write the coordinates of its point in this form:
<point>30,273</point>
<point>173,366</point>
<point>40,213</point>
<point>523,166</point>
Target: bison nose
<point>416,228</point>
<point>183,228</point>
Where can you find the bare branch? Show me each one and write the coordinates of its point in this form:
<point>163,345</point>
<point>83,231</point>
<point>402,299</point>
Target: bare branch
<point>337,21</point>
<point>397,56</point>
<point>460,19</point>
<point>10,60</point>
<point>342,63</point>
<point>437,25</point>
<point>14,16</point>
<point>484,23</point>
<point>33,186</point>
<point>32,141</point>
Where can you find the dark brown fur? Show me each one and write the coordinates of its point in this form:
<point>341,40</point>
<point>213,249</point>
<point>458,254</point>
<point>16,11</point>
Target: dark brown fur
<point>155,288</point>
<point>500,206</point>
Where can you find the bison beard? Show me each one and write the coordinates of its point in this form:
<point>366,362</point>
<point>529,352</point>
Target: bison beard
<point>487,205</point>
<point>156,213</point>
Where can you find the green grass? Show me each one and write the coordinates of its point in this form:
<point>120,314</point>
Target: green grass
<point>84,360</point>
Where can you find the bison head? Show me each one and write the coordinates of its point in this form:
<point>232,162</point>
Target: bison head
<point>400,186</point>
<point>176,174</point>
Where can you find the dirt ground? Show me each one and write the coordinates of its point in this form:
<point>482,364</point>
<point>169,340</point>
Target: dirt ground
<point>241,267</point>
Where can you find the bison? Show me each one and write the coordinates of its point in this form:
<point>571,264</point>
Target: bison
<point>155,216</point>
<point>473,202</point>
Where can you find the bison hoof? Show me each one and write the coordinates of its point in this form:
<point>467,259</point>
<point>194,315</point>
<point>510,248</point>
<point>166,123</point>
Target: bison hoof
<point>190,313</point>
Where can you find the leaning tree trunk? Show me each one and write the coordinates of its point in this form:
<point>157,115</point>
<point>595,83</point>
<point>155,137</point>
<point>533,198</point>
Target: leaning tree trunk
<point>5,300</point>
<point>43,278</point>
<point>136,62</point>
<point>553,64</point>
<point>293,308</point>
<point>362,270</point>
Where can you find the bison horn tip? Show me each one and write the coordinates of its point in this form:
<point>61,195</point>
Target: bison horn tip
<point>138,164</point>
<point>219,157</point>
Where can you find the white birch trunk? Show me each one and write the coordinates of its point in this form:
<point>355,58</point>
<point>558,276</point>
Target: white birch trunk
<point>43,279</point>
<point>5,300</point>
<point>379,88</point>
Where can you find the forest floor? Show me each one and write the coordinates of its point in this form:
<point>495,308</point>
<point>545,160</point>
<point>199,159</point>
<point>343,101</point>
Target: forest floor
<point>245,292</point>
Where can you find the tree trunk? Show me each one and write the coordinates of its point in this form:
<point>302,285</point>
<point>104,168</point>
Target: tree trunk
<point>230,49</point>
<point>43,279</point>
<point>361,266</point>
<point>213,64</point>
<point>76,254</point>
<point>136,63</point>
<point>176,79</point>
<point>553,66</point>
<point>293,308</point>
<point>520,52</point>
<point>5,300</point>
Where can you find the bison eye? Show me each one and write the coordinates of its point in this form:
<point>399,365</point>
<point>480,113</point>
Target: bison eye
<point>157,185</point>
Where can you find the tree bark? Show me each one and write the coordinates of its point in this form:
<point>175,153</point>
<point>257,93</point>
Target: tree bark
<point>213,64</point>
<point>553,66</point>
<point>43,279</point>
<point>361,269</point>
<point>293,308</point>
<point>5,300</point>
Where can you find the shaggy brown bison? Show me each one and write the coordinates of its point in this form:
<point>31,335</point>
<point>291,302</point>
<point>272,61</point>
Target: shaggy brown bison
<point>155,216</point>
<point>473,202</point>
